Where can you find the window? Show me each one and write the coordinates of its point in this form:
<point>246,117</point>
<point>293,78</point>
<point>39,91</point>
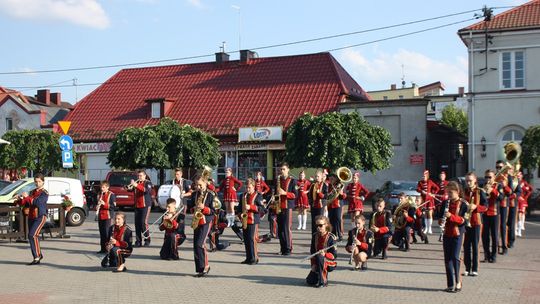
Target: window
<point>400,96</point>
<point>58,188</point>
<point>385,97</point>
<point>9,124</point>
<point>156,109</point>
<point>512,135</point>
<point>513,70</point>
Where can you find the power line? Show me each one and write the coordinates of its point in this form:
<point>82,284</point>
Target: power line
<point>256,48</point>
<point>331,50</point>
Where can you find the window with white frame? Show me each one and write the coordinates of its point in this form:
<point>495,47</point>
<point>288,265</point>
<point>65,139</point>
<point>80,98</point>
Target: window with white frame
<point>513,70</point>
<point>156,110</point>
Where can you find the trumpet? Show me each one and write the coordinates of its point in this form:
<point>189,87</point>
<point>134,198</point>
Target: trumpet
<point>130,186</point>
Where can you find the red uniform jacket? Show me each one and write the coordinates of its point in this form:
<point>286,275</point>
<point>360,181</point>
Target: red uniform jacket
<point>356,194</point>
<point>229,185</point>
<point>169,230</point>
<point>493,201</point>
<point>478,198</point>
<point>320,242</point>
<point>261,187</point>
<point>253,203</point>
<point>455,224</point>
<point>106,210</point>
<point>36,202</point>
<point>428,186</point>
<point>303,187</point>
<point>335,203</point>
<point>442,190</point>
<point>288,185</point>
<point>383,221</point>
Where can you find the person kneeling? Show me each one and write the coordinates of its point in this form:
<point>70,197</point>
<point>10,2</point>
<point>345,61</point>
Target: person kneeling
<point>173,224</point>
<point>323,243</point>
<point>119,246</point>
<point>360,243</point>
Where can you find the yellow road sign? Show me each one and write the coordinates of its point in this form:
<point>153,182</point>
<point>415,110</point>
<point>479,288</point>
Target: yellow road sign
<point>64,125</point>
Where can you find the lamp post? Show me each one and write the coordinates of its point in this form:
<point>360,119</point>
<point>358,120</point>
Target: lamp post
<point>415,141</point>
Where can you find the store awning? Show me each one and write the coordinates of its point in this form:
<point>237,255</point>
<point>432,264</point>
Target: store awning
<point>4,142</point>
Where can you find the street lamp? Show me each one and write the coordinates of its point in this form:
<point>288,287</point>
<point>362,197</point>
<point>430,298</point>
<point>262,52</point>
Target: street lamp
<point>415,141</point>
<point>483,143</point>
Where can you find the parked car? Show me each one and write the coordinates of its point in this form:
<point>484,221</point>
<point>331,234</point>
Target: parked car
<point>58,187</point>
<point>118,180</point>
<point>534,201</point>
<point>390,190</point>
<point>461,181</point>
<point>4,184</point>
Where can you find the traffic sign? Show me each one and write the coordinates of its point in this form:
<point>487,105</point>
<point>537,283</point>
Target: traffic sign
<point>66,143</point>
<point>67,159</point>
<point>64,125</point>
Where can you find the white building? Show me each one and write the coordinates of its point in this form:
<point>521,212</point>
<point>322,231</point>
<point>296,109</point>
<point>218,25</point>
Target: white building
<point>504,82</point>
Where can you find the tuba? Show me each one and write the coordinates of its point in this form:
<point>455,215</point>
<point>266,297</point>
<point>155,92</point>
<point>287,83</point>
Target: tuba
<point>344,175</point>
<point>399,218</point>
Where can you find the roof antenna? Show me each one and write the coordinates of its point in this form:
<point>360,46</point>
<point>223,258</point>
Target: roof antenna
<point>402,76</point>
<point>222,47</point>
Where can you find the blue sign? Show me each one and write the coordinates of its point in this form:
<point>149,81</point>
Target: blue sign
<point>66,143</point>
<point>67,159</point>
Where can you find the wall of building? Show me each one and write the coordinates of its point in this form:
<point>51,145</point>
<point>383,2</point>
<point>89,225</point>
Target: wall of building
<point>405,120</point>
<point>21,119</point>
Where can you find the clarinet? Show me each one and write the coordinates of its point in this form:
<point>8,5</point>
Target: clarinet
<point>443,220</point>
<point>353,246</point>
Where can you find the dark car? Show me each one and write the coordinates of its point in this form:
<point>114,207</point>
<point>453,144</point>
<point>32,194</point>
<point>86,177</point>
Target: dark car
<point>390,190</point>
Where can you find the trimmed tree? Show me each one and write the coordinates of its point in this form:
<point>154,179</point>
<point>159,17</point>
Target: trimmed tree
<point>455,118</point>
<point>37,150</point>
<point>530,158</point>
<point>334,139</point>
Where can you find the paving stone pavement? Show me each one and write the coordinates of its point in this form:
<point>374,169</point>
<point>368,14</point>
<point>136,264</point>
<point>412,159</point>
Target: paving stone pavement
<point>70,273</point>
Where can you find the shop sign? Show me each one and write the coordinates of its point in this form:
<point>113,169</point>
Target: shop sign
<point>244,147</point>
<point>416,159</point>
<point>260,134</point>
<point>92,147</point>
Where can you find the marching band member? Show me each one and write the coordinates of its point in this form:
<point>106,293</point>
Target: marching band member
<point>452,219</point>
<point>249,216</point>
<point>490,218</point>
<point>322,243</point>
<point>335,195</point>
<point>302,202</point>
<point>477,205</point>
<point>183,184</point>
<point>106,204</point>
<point>119,246</point>
<point>36,205</point>
<point>287,193</point>
<point>218,227</point>
<point>427,189</point>
<point>360,243</point>
<point>201,204</point>
<point>317,194</point>
<point>503,207</point>
<point>381,225</point>
<point>442,194</point>
<point>356,195</point>
<point>260,185</point>
<point>174,226</point>
<point>526,191</point>
<point>142,194</point>
<point>512,206</point>
<point>228,186</point>
<point>403,224</point>
<point>272,219</point>
<point>419,212</point>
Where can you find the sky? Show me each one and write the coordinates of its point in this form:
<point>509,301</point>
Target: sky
<point>65,34</point>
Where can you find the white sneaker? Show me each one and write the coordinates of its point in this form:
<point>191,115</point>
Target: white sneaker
<point>466,273</point>
<point>299,227</point>
<point>474,274</point>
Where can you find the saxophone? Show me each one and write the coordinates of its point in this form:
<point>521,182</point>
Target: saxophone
<point>470,211</point>
<point>244,214</point>
<point>198,215</point>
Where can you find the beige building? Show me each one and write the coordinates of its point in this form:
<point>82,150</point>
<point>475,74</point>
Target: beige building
<point>504,82</point>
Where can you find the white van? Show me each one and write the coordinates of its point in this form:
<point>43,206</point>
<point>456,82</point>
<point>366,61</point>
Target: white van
<point>57,188</point>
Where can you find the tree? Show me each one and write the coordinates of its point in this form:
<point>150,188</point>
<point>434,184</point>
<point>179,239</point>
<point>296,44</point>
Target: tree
<point>455,118</point>
<point>165,145</point>
<point>333,140</point>
<point>37,150</point>
<point>530,158</point>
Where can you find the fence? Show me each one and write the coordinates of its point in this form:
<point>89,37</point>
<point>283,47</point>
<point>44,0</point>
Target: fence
<point>14,224</point>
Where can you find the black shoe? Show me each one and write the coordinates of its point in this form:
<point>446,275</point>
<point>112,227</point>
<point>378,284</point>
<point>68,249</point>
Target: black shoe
<point>123,270</point>
<point>414,240</point>
<point>492,260</point>
<point>384,256</point>
<point>286,253</point>
<point>244,262</point>
<point>505,251</point>
<point>105,262</point>
<point>363,267</point>
<point>254,262</point>
<point>450,289</point>
<point>34,262</point>
<point>426,241</point>
<point>147,244</point>
<point>137,244</point>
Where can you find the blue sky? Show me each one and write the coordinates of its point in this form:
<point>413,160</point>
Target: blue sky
<point>57,34</point>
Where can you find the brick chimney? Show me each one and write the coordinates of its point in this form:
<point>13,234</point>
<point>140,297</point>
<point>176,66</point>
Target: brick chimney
<point>393,87</point>
<point>222,57</point>
<point>44,96</point>
<point>56,99</point>
<point>246,56</point>
<point>461,91</point>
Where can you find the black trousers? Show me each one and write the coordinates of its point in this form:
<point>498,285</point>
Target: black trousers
<point>334,215</point>
<point>314,213</point>
<point>402,237</point>
<point>284,222</point>
<point>250,242</point>
<point>503,213</point>
<point>103,226</point>
<point>320,277</point>
<point>34,230</point>
<point>511,222</point>
<point>199,247</point>
<point>380,245</point>
<point>116,257</point>
<point>169,249</point>
<point>490,236</point>
<point>141,224</point>
<point>452,248</point>
<point>470,244</point>
<point>272,222</point>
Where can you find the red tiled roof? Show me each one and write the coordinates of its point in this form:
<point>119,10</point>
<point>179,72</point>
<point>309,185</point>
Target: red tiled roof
<point>218,98</point>
<point>525,16</point>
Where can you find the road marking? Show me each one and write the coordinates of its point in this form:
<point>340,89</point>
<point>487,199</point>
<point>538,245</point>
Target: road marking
<point>531,223</point>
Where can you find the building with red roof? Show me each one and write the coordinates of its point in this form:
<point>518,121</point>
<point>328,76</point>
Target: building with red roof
<point>247,104</point>
<point>504,82</point>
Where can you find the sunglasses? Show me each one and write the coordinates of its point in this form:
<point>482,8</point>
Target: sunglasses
<point>320,225</point>
<point>498,168</point>
<point>487,177</point>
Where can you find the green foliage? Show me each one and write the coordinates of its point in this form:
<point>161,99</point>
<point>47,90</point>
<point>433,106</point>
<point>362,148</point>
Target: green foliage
<point>530,158</point>
<point>165,145</point>
<point>455,118</point>
<point>333,140</point>
<point>37,150</point>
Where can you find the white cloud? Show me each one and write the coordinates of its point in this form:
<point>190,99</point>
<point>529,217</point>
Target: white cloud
<point>27,71</point>
<point>386,68</point>
<point>81,12</point>
<point>196,3</point>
